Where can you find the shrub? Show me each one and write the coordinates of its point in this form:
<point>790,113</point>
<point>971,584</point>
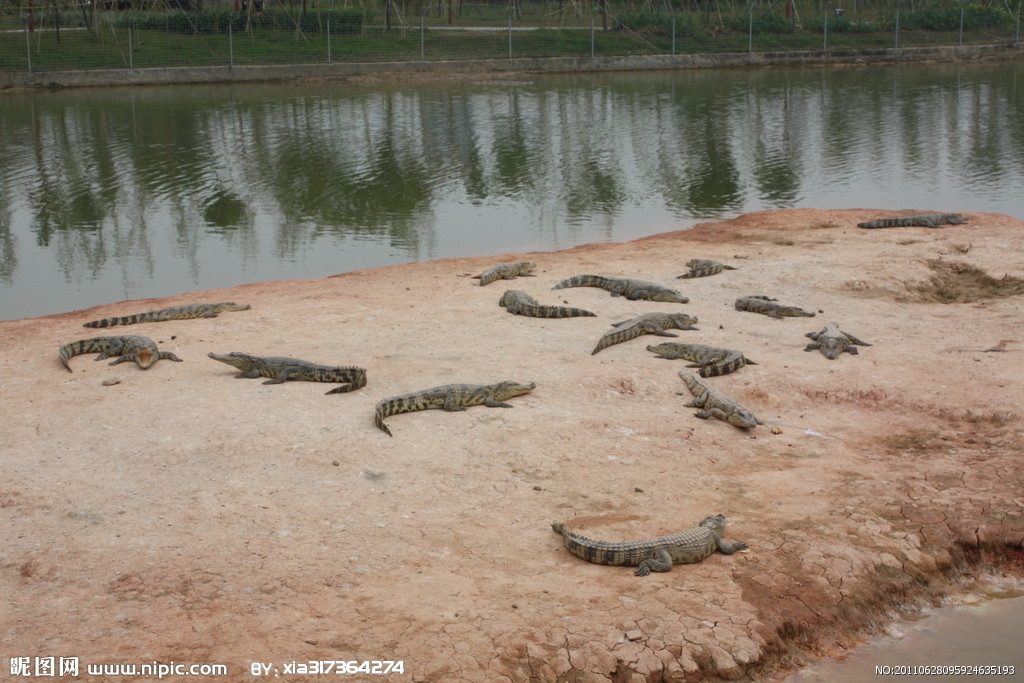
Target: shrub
<point>948,18</point>
<point>217,21</point>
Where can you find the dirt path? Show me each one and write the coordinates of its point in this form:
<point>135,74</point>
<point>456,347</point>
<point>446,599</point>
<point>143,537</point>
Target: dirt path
<point>184,515</point>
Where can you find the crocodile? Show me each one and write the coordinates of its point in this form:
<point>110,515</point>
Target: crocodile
<point>281,369</point>
<point>921,220</point>
<point>648,323</point>
<point>832,341</point>
<point>627,287</point>
<point>142,350</point>
<point>762,304</point>
<point>654,554</point>
<point>700,267</point>
<point>173,313</point>
<point>711,360</point>
<point>522,303</point>
<point>717,404</point>
<point>506,271</point>
<point>450,397</point>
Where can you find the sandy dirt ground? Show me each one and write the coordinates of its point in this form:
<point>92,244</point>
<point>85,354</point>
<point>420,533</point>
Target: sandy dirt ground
<point>183,515</point>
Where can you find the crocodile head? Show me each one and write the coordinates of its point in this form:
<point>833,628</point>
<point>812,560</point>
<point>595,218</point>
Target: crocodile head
<point>526,267</point>
<point>242,361</point>
<point>830,347</point>
<point>144,358</point>
<point>508,297</point>
<point>716,523</point>
<point>508,389</point>
<point>663,349</point>
<point>232,306</point>
<point>743,418</point>
<point>830,341</point>
<point>683,321</point>
<point>668,295</point>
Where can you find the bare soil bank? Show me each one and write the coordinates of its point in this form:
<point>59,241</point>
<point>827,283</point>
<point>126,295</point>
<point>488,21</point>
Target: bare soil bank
<point>483,69</point>
<point>184,515</point>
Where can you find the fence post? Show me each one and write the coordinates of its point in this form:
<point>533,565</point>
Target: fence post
<point>131,57</point>
<point>510,37</point>
<point>592,55</point>
<point>328,40</point>
<point>897,28</point>
<point>423,38</point>
<point>673,35</point>
<point>1016,38</point>
<point>28,47</point>
<point>824,30</point>
<point>231,46</point>
<point>961,25</point>
<point>750,30</point>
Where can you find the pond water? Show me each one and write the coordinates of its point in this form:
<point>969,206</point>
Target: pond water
<point>980,629</point>
<point>112,194</point>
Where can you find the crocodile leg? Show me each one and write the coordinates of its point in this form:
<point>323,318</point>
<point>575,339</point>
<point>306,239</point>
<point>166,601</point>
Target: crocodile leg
<point>282,375</point>
<point>661,562</point>
<point>252,374</point>
<point>730,548</point>
<point>854,340</point>
<point>651,328</point>
<point>491,403</point>
<point>167,355</point>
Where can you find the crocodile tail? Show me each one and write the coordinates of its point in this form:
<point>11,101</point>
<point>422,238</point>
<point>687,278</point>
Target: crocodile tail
<point>891,223</point>
<point>703,271</point>
<point>691,381</point>
<point>378,417</point>
<point>395,405</point>
<point>358,379</point>
<point>110,322</point>
<point>582,281</point>
<point>77,348</point>
<point>570,312</point>
<point>66,352</point>
<point>489,276</point>
<point>542,311</point>
<point>615,337</point>
<point>731,363</point>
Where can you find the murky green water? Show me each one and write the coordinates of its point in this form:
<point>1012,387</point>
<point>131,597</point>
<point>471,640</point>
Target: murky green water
<point>976,637</point>
<point>127,193</point>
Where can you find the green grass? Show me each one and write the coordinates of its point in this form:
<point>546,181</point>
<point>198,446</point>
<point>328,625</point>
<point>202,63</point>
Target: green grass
<point>109,47</point>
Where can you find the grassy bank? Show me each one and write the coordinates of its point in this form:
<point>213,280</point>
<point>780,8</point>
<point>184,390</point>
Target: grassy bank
<point>116,40</point>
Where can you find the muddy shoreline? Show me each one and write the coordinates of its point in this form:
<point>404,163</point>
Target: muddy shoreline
<point>179,514</point>
<point>483,69</point>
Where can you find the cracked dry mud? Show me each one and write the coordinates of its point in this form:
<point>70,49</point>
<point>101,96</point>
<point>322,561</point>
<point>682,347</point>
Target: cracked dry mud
<point>183,515</point>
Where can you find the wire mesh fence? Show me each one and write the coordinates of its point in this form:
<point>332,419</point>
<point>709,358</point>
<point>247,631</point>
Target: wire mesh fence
<point>51,35</point>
